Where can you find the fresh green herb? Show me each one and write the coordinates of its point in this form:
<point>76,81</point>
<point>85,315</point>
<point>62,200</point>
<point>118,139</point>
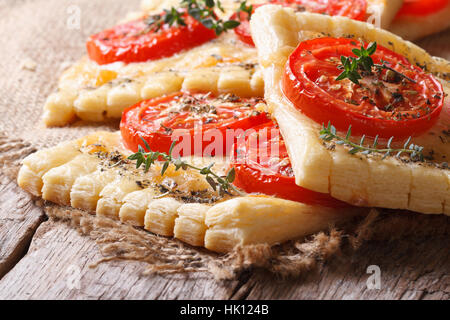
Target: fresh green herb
<point>203,11</point>
<point>329,133</point>
<point>245,8</point>
<point>200,10</point>
<point>395,72</point>
<point>222,184</point>
<point>170,17</point>
<point>364,63</point>
<point>350,67</point>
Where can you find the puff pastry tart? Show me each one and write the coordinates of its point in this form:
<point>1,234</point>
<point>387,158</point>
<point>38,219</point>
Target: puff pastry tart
<point>365,114</point>
<point>419,18</point>
<point>146,58</point>
<point>166,50</point>
<point>217,198</point>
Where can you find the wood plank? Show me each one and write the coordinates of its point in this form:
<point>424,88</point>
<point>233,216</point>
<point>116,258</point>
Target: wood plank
<point>415,269</point>
<point>19,219</point>
<point>437,44</point>
<point>19,216</point>
<point>410,269</point>
<point>58,252</point>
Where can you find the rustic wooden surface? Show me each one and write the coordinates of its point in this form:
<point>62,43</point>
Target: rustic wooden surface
<point>19,219</point>
<point>58,265</point>
<point>42,259</point>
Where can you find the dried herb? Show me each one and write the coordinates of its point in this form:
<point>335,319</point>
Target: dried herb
<point>246,9</point>
<point>329,133</point>
<point>200,10</point>
<point>222,184</point>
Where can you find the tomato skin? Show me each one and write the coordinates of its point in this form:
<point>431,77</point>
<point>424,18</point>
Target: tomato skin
<point>135,124</point>
<point>354,9</point>
<point>123,42</point>
<point>242,31</point>
<point>421,7</point>
<point>257,177</point>
<point>322,107</point>
<point>131,131</point>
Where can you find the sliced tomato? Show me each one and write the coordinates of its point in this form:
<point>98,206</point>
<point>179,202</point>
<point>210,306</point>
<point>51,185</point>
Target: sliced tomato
<point>242,31</point>
<point>353,9</point>
<point>135,42</point>
<point>383,104</point>
<point>421,7</point>
<point>159,121</point>
<point>262,165</point>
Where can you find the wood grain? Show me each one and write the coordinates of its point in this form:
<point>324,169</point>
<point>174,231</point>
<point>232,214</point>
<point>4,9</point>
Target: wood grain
<point>58,253</point>
<point>19,219</point>
<point>414,268</point>
<point>410,269</point>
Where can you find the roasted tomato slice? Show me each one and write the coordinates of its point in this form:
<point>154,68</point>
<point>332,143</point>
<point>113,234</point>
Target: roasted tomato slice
<point>242,31</point>
<point>136,42</point>
<point>262,165</point>
<point>421,7</point>
<point>354,9</point>
<point>201,118</point>
<point>384,103</point>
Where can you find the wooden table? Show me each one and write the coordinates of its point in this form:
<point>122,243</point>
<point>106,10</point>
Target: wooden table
<point>43,259</point>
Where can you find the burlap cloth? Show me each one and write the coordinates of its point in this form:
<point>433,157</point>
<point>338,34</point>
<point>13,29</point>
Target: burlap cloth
<point>36,31</point>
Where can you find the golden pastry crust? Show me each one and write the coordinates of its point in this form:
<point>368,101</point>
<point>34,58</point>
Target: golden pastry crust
<point>382,12</point>
<point>379,12</point>
<point>266,220</point>
<point>93,174</point>
<point>94,92</point>
<point>357,179</point>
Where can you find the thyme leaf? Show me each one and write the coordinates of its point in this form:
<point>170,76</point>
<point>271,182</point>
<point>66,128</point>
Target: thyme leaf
<point>328,133</point>
<point>245,8</point>
<point>170,17</point>
<point>203,11</point>
<point>353,66</point>
<point>200,10</point>
<point>224,184</point>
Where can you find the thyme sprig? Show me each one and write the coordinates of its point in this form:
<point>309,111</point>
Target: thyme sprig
<point>245,8</point>
<point>203,11</point>
<point>222,184</point>
<point>200,10</point>
<point>170,17</point>
<point>364,63</point>
<point>392,70</point>
<point>329,133</point>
